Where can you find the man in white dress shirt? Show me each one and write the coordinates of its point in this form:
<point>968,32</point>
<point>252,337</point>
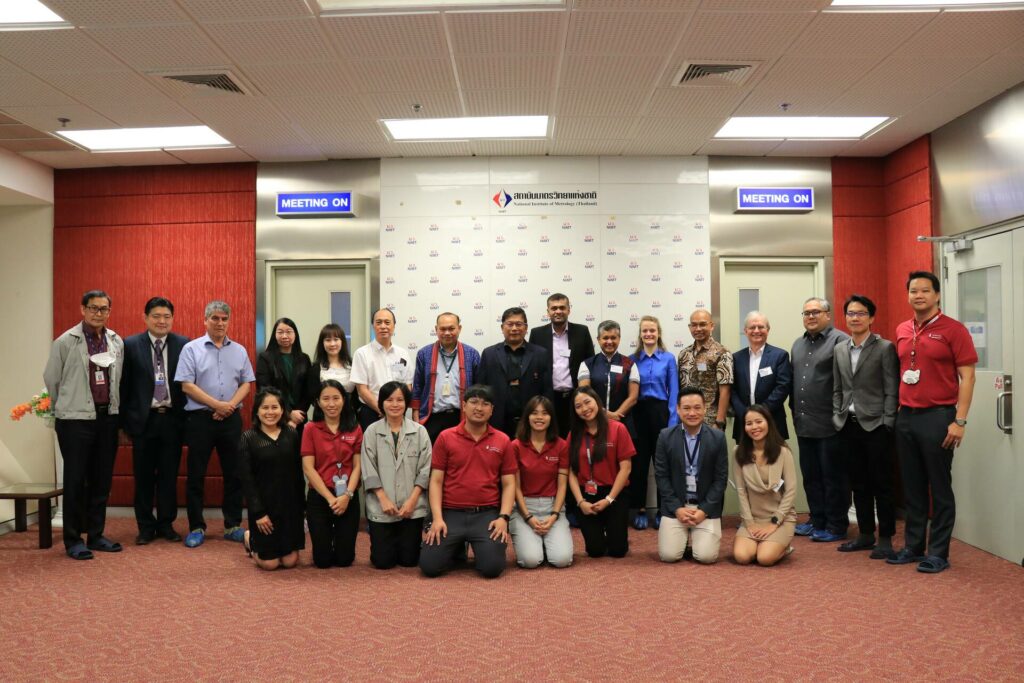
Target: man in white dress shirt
<point>378,363</point>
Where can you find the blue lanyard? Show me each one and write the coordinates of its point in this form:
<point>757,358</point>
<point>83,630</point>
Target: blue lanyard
<point>692,459</point>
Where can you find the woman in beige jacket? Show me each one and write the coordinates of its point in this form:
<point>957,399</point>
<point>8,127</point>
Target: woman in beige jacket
<point>766,483</point>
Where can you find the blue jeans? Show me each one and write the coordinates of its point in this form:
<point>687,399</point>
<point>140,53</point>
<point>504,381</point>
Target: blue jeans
<point>531,548</point>
<point>824,473</point>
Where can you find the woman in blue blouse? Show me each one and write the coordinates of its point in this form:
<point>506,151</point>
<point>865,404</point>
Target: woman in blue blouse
<point>655,410</point>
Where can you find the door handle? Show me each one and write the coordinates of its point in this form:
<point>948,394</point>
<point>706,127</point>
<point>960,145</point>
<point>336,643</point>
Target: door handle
<point>1004,407</point>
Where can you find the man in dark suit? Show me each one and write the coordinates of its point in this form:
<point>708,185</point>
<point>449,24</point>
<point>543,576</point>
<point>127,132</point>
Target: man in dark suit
<point>515,370</point>
<point>153,415</point>
<point>691,468</point>
<point>568,345</point>
<point>762,374</point>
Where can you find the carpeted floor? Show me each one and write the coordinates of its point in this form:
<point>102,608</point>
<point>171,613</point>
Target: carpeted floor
<point>167,613</point>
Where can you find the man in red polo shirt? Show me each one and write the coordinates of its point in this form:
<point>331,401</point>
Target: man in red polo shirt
<point>472,491</point>
<point>937,359</point>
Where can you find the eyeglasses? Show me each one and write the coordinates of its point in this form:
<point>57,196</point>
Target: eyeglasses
<point>812,314</point>
<point>857,314</point>
<point>513,324</point>
<point>477,402</point>
<point>102,310</point>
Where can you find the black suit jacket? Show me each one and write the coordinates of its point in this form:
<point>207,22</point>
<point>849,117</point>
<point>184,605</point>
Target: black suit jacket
<point>270,373</point>
<point>581,345</point>
<point>771,390</point>
<point>712,470</point>
<point>137,380</point>
<point>534,380</point>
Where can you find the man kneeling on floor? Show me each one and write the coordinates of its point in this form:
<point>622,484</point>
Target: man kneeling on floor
<point>691,468</point>
<point>472,491</point>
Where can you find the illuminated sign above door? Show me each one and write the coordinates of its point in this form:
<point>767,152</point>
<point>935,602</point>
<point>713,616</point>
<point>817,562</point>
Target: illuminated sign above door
<point>314,204</point>
<point>774,199</point>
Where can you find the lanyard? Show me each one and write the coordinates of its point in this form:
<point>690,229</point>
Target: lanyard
<point>448,366</point>
<point>913,345</point>
<point>692,459</point>
<point>590,462</point>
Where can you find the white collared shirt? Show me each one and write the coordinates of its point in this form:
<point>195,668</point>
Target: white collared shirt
<point>560,375</point>
<point>854,358</point>
<point>755,364</point>
<point>375,366</point>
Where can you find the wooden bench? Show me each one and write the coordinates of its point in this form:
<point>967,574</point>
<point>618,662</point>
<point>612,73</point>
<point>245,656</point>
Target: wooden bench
<point>21,494</point>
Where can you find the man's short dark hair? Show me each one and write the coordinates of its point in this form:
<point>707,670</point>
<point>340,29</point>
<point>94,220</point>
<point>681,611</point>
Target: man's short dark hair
<point>96,294</point>
<point>863,301</point>
<point>689,391</point>
<point>557,296</point>
<point>458,320</point>
<point>515,310</point>
<point>394,320</point>
<point>479,391</point>
<point>158,302</point>
<point>924,275</point>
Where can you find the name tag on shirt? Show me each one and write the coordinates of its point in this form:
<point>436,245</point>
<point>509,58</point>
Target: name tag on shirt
<point>616,369</point>
<point>691,483</point>
<point>702,367</point>
<point>159,379</point>
<point>99,377</point>
<point>778,486</point>
<point>764,372</point>
<point>564,353</point>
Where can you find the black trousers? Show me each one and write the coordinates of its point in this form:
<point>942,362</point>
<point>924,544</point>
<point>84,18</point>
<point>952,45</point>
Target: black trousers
<point>465,526</point>
<point>438,422</point>
<point>203,434</point>
<point>395,543</point>
<point>156,456</point>
<point>650,416</point>
<point>88,448</point>
<point>824,475</point>
<point>607,532</point>
<point>366,416</point>
<point>332,536</point>
<point>869,466</point>
<point>927,466</point>
<point>563,406</point>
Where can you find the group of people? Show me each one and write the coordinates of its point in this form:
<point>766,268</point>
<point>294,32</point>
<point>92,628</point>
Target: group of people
<point>459,449</point>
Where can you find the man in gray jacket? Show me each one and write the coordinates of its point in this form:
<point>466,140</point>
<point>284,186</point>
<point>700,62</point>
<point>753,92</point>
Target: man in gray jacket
<point>864,403</point>
<point>83,376</point>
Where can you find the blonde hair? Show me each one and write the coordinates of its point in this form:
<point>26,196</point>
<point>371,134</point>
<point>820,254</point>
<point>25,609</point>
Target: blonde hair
<point>639,337</point>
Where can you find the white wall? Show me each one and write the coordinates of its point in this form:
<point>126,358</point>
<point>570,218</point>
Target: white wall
<point>26,279</point>
<point>642,246</point>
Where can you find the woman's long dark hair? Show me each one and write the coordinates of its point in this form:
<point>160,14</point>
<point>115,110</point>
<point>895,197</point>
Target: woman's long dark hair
<point>320,356</point>
<point>261,395</point>
<point>577,427</point>
<point>347,419</point>
<point>773,441</point>
<point>272,346</point>
<point>524,431</point>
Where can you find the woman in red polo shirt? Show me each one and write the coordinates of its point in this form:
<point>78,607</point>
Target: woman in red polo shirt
<point>330,460</point>
<point>599,457</point>
<point>538,528</point>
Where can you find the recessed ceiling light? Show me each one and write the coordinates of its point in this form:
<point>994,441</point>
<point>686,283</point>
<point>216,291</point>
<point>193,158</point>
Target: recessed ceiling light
<point>143,139</point>
<point>900,5</point>
<point>468,128</point>
<point>800,127</point>
<point>329,7</point>
<point>22,14</point>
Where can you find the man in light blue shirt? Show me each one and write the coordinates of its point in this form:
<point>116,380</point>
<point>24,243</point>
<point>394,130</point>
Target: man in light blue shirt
<point>214,373</point>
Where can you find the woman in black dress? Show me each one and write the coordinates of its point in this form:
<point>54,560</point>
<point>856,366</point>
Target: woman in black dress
<point>271,472</point>
<point>284,366</point>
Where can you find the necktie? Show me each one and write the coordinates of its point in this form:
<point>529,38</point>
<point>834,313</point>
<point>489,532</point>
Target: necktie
<point>160,390</point>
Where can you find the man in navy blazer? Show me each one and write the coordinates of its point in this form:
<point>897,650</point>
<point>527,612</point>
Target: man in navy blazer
<point>766,369</point>
<point>515,370</point>
<point>568,344</point>
<point>153,415</point>
<point>691,468</point>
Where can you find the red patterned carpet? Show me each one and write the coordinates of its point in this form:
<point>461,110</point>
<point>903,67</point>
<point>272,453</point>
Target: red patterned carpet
<point>166,613</point>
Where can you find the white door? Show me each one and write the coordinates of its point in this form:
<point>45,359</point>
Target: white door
<point>982,289</point>
<point>315,294</point>
<point>777,288</point>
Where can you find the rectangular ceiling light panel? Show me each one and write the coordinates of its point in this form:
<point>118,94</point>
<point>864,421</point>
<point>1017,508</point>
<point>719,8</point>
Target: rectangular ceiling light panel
<point>800,127</point>
<point>328,7</point>
<point>902,5</point>
<point>468,128</point>
<point>140,139</point>
<point>25,14</point>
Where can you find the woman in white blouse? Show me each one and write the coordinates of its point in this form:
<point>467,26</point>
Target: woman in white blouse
<point>331,360</point>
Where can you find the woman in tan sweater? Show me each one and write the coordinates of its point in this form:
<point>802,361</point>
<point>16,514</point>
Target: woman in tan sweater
<point>766,483</point>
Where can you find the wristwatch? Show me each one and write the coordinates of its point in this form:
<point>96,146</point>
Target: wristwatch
<point>609,499</point>
<point>720,424</point>
<point>960,423</point>
<point>775,520</point>
<point>504,516</point>
<point>349,492</point>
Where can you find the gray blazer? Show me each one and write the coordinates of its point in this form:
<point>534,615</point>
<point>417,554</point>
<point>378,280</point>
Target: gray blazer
<point>397,473</point>
<point>873,388</point>
<point>67,375</point>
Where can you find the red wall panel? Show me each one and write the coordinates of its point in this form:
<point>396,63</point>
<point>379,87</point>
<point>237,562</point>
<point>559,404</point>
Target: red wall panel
<point>187,233</point>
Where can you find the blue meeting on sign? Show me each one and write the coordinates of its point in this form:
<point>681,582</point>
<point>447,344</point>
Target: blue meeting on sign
<point>297,204</point>
<point>775,199</point>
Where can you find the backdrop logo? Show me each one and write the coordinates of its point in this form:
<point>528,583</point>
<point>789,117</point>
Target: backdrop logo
<point>478,332</point>
<point>611,251</point>
<point>655,278</point>
<point>521,226</point>
<point>698,226</point>
<point>634,238</point>
<point>544,265</point>
<point>655,252</point>
<point>566,225</point>
<point>610,225</point>
<point>698,278</point>
<point>478,305</point>
<point>478,226</point>
<point>434,227</point>
<point>499,292</point>
<point>456,266</point>
<point>434,253</point>
<point>698,252</point>
<point>633,265</point>
<point>633,317</point>
<point>389,254</point>
<point>412,293</point>
<point>434,279</point>
<point>678,317</point>
<point>499,266</point>
<point>544,238</point>
<point>588,238</point>
<point>590,318</point>
<point>634,291</point>
<point>589,291</point>
<point>567,252</point>
<point>700,303</point>
<point>390,227</point>
<point>500,239</point>
<point>567,278</point>
<point>434,306</point>
<point>655,304</point>
<point>655,225</point>
<point>456,292</point>
<point>411,319</point>
<point>502,199</point>
<point>523,278</point>
<point>478,279</point>
<point>389,280</point>
<point>588,265</point>
<point>411,240</point>
<point>478,252</point>
<point>411,266</point>
<point>677,238</point>
<point>521,252</point>
<point>677,291</point>
<point>611,277</point>
<point>678,344</point>
<point>545,292</point>
<point>456,240</point>
<point>677,264</point>
<point>612,304</point>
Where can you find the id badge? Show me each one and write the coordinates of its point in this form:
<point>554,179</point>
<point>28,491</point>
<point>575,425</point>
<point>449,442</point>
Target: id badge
<point>616,370</point>
<point>159,379</point>
<point>590,488</point>
<point>702,367</point>
<point>764,372</point>
<point>778,486</point>
<point>398,372</point>
<point>100,377</point>
<point>911,376</point>
<point>691,482</point>
<point>446,388</point>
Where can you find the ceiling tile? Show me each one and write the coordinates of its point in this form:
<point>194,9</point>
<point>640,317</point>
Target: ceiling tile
<point>868,34</point>
<point>774,6</point>
<point>158,111</point>
<point>965,33</point>
<point>348,149</point>
<point>636,5</point>
<point>289,151</point>
<point>506,72</point>
<point>992,77</point>
<point>496,33</point>
<point>246,121</point>
<point>211,156</point>
<point>738,148</point>
<point>807,84</point>
<point>581,72</point>
<point>593,128</point>
<point>601,102</point>
<point>160,47</point>
<point>71,159</point>
<point>387,36</point>
<point>399,105</point>
<point>701,103</point>
<point>285,80</point>
<point>510,148</point>
<point>507,102</point>
<point>45,118</point>
<point>17,131</point>
<point>18,88</point>
<point>324,127</point>
<point>590,148</point>
<point>57,50</point>
<point>106,85</point>
<point>625,33</point>
<point>740,35</point>
<point>401,75</point>
<point>231,10</point>
<point>318,106</point>
<point>813,148</point>
<point>7,120</point>
<point>285,41</point>
<point>460,148</point>
<point>35,145</point>
<point>117,12</point>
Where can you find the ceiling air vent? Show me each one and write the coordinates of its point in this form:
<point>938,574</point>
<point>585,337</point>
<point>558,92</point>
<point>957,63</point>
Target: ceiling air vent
<point>717,74</point>
<point>198,81</point>
<point>216,81</point>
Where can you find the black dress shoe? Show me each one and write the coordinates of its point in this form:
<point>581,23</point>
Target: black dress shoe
<point>104,545</point>
<point>171,535</point>
<point>855,545</point>
<point>145,537</point>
